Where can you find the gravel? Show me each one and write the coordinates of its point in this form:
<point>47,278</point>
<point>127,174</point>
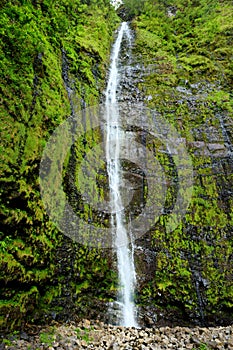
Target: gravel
<point>97,335</point>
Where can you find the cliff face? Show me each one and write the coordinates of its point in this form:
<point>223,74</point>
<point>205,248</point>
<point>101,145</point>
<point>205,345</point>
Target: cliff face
<point>184,50</point>
<point>54,56</point>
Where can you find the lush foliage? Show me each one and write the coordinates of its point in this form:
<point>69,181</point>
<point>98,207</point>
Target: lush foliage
<point>187,50</point>
<point>53,59</point>
<point>45,46</point>
<point>134,7</point>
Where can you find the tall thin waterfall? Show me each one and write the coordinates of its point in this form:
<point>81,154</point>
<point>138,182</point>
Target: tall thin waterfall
<point>121,238</point>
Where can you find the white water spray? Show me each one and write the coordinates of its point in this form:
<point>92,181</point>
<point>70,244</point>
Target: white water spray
<point>121,238</point>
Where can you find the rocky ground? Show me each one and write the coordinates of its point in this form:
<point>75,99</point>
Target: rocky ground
<point>97,335</point>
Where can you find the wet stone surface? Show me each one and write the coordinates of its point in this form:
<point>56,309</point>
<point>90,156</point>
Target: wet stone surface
<point>186,268</point>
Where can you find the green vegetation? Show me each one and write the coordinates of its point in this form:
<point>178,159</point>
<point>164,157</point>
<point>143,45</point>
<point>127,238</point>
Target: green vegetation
<point>49,48</point>
<point>134,7</point>
<point>47,338</point>
<point>186,48</point>
<point>84,334</point>
<point>44,46</point>
<point>6,342</point>
<point>203,347</point>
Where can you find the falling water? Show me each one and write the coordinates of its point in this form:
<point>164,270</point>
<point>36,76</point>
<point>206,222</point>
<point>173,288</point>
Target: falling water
<point>121,238</point>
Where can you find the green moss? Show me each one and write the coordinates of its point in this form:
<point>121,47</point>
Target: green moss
<point>37,40</point>
<point>188,77</point>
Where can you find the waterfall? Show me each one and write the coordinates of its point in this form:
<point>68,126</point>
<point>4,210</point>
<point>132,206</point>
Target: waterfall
<point>121,238</point>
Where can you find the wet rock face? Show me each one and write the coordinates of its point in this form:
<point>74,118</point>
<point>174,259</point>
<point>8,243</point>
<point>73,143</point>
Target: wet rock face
<point>185,274</point>
<point>124,13</point>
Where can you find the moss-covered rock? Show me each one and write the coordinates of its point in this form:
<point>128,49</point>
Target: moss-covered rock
<point>54,56</point>
<point>187,58</point>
